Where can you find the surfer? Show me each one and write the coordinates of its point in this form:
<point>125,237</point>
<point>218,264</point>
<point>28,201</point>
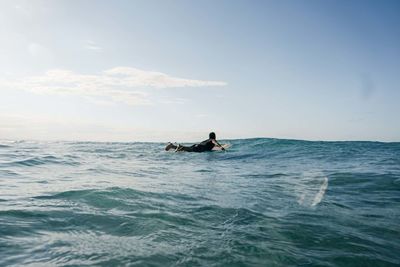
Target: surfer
<point>206,145</point>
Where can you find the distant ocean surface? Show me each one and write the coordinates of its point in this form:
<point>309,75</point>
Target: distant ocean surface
<point>264,202</point>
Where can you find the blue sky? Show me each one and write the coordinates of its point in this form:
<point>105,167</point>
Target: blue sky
<point>175,70</point>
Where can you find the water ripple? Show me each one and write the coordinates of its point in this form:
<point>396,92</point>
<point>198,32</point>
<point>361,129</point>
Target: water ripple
<point>264,202</point>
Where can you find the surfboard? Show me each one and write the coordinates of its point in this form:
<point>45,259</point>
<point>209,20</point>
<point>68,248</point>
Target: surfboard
<point>225,146</point>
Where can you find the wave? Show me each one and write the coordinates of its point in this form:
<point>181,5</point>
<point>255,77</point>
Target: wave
<point>130,202</point>
<point>4,146</point>
<point>115,193</point>
<point>42,160</point>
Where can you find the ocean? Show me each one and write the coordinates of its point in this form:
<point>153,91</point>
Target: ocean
<point>263,202</point>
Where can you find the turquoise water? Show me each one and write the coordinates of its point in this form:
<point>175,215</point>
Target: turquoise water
<point>265,202</point>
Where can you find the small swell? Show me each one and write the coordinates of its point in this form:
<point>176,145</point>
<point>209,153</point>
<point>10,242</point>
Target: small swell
<point>116,194</point>
<point>4,146</point>
<point>36,161</point>
<point>28,162</point>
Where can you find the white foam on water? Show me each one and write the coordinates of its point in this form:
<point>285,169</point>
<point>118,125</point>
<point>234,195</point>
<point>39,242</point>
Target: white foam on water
<point>318,197</point>
<point>310,188</point>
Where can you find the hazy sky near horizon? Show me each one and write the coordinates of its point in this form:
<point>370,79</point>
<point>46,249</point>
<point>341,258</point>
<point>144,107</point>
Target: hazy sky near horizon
<point>175,70</point>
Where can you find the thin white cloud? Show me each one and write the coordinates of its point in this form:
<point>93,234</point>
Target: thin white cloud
<point>90,45</point>
<point>120,84</point>
<point>136,77</point>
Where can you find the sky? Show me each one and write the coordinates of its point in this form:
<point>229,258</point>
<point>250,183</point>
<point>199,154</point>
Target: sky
<point>176,70</point>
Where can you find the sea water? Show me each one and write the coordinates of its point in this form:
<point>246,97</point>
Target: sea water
<point>264,202</point>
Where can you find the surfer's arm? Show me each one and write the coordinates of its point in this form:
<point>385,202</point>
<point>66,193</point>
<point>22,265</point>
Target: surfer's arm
<point>218,144</point>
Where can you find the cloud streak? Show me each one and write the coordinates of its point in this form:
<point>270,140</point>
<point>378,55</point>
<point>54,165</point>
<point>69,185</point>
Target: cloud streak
<point>90,45</point>
<point>120,84</point>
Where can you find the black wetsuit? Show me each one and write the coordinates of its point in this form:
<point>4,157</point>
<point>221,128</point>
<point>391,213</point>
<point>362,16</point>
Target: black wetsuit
<point>206,145</point>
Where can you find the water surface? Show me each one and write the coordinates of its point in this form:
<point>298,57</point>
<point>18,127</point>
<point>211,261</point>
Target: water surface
<point>264,202</point>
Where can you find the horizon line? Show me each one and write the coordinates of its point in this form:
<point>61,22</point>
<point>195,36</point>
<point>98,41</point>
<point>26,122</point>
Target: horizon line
<point>185,142</point>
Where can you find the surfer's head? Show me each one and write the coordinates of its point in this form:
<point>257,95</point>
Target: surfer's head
<point>212,135</point>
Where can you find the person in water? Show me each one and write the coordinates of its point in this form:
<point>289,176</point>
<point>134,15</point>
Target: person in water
<point>206,145</point>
